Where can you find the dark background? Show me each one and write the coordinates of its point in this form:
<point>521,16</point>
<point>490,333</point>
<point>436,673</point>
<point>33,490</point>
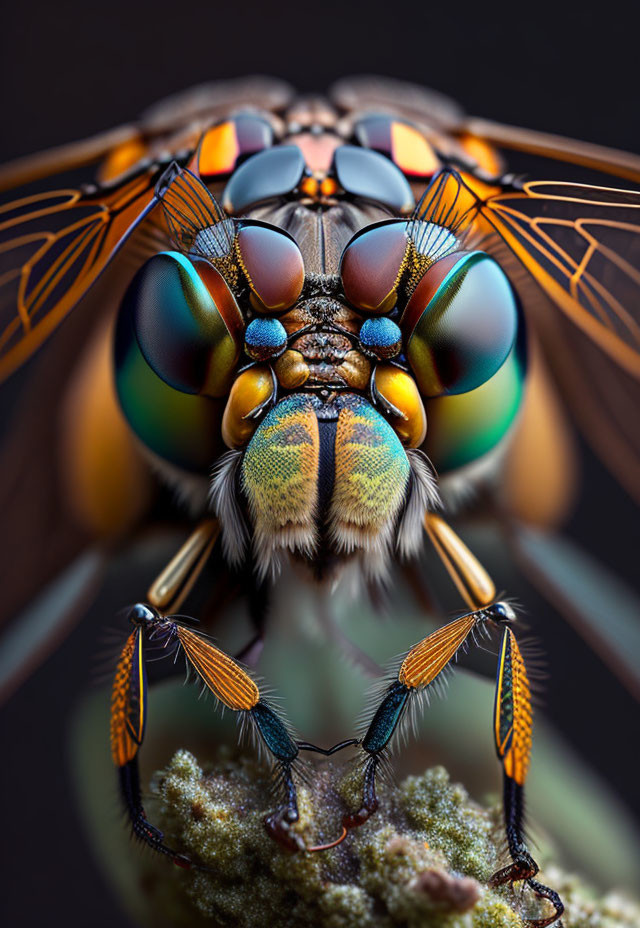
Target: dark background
<point>68,70</point>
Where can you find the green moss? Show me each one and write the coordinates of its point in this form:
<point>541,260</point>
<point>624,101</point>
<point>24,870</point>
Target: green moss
<point>423,860</point>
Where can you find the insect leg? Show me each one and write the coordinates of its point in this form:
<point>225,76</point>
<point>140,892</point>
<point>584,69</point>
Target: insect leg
<point>129,777</point>
<point>235,689</point>
<point>512,730</point>
<point>128,722</point>
<point>379,734</point>
<point>469,576</point>
<point>512,712</point>
<point>284,749</point>
<point>172,586</point>
<point>129,693</point>
<point>420,668</point>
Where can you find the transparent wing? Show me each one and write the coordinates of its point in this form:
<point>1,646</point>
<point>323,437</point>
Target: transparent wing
<point>53,246</point>
<point>573,253</point>
<point>582,245</point>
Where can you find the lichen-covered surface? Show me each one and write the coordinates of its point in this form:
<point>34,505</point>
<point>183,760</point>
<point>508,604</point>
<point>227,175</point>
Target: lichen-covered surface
<point>422,860</point>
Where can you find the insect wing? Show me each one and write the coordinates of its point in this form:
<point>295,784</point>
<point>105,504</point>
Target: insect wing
<point>227,680</point>
<point>65,157</point>
<point>582,245</point>
<point>573,248</point>
<point>53,246</point>
<point>556,148</point>
<point>191,213</point>
<point>129,701</point>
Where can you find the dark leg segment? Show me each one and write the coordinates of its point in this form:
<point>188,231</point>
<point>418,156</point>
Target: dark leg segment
<point>524,866</point>
<point>285,750</point>
<point>380,731</point>
<point>130,791</point>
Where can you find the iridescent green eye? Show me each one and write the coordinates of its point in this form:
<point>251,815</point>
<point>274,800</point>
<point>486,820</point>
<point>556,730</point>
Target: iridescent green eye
<point>179,427</point>
<point>187,323</point>
<point>460,324</point>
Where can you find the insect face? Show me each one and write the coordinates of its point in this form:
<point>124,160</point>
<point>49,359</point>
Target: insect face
<point>327,376</point>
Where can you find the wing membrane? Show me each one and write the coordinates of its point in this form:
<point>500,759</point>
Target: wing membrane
<point>53,246</point>
<point>573,253</point>
<point>557,147</point>
<point>582,245</point>
<point>64,157</point>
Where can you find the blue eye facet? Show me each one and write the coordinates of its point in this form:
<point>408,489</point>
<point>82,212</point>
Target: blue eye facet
<point>265,338</point>
<point>380,337</point>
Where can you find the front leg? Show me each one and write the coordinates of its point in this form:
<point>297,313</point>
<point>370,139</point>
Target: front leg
<point>421,667</point>
<point>512,710</point>
<point>128,723</point>
<point>512,724</point>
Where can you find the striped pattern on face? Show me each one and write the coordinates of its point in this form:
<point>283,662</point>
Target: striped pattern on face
<point>371,477</point>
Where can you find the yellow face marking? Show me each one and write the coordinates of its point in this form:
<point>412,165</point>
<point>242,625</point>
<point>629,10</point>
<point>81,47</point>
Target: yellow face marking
<point>226,679</point>
<point>427,659</point>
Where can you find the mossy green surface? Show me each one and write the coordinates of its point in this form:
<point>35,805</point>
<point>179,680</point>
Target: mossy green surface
<point>423,860</point>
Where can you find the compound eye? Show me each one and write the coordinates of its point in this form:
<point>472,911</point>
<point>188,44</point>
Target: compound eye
<point>273,265</point>
<point>459,324</point>
<point>368,174</point>
<point>266,176</point>
<point>400,141</point>
<point>380,338</point>
<point>228,143</point>
<point>187,323</point>
<point>371,266</point>
<point>264,339</point>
